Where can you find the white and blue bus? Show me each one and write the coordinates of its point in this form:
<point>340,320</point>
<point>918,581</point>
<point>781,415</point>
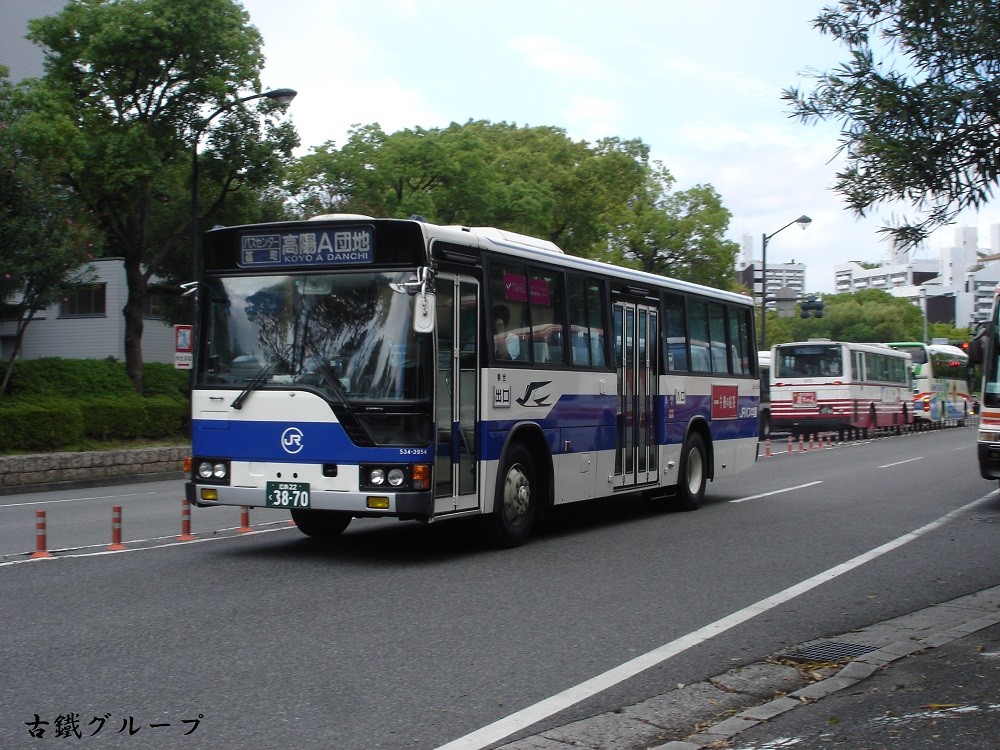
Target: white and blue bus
<point>941,382</point>
<point>356,367</point>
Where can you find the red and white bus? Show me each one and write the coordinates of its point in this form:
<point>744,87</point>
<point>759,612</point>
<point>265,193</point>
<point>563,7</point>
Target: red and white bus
<point>823,385</point>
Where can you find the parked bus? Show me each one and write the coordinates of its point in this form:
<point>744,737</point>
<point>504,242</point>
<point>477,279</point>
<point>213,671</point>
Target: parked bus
<point>427,372</point>
<point>984,350</point>
<point>823,385</point>
<point>941,382</point>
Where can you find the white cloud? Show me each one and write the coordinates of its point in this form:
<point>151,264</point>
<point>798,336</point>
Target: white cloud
<point>559,58</point>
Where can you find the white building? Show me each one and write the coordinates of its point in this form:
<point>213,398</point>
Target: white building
<point>21,57</point>
<point>779,275</point>
<point>957,287</point>
<point>88,325</point>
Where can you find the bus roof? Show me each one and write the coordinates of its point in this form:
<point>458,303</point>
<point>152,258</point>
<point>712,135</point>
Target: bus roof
<point>510,244</point>
<point>532,248</point>
<point>865,347</point>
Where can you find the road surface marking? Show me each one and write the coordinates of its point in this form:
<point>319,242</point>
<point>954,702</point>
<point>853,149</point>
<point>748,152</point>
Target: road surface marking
<point>775,492</point>
<point>524,718</point>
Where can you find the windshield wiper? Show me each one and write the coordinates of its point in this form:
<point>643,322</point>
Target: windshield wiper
<point>255,382</point>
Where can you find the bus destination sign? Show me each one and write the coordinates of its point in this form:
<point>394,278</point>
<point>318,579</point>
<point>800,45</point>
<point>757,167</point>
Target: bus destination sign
<point>302,248</point>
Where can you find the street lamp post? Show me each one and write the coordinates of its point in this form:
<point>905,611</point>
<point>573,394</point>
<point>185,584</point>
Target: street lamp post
<point>803,221</point>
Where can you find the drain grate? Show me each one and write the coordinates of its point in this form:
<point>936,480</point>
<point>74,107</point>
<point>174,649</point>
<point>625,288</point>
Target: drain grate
<point>830,651</point>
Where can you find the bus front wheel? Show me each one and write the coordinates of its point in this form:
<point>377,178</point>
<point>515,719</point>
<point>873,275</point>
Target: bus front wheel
<point>321,524</point>
<point>693,473</point>
<point>516,501</point>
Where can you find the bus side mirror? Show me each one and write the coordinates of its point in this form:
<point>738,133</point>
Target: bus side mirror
<point>423,312</point>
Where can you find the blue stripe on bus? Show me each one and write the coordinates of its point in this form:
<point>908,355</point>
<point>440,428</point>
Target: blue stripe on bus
<point>262,441</point>
<point>587,422</point>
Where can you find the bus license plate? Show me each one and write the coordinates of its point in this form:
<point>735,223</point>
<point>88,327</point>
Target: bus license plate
<point>803,398</point>
<point>287,495</point>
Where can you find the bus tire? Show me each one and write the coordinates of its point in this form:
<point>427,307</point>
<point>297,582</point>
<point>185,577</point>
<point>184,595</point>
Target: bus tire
<point>693,474</point>
<point>764,431</point>
<point>321,524</point>
<point>516,499</point>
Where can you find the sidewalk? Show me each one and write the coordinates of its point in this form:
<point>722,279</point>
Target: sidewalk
<point>929,679</point>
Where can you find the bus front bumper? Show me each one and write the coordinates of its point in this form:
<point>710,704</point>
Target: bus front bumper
<point>408,505</point>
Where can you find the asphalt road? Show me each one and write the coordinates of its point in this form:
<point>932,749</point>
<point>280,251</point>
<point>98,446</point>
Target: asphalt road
<point>408,636</point>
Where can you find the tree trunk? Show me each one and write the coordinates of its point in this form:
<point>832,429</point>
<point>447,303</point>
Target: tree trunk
<point>135,304</point>
<point>22,324</point>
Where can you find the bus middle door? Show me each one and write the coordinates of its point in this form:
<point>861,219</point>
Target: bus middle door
<point>636,353</point>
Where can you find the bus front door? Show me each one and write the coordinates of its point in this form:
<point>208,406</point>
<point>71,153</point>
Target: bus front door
<point>636,351</point>
<point>455,474</point>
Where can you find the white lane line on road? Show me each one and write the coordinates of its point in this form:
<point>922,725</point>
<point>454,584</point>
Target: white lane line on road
<point>74,499</point>
<point>898,463</point>
<point>776,492</point>
<point>106,551</point>
<point>524,718</point>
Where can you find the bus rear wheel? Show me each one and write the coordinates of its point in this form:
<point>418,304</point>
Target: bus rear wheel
<point>516,500</point>
<point>321,524</point>
<point>693,474</point>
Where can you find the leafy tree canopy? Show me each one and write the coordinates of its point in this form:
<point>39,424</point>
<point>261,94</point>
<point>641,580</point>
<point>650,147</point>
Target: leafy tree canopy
<point>867,316</point>
<point>917,101</point>
<point>602,200</point>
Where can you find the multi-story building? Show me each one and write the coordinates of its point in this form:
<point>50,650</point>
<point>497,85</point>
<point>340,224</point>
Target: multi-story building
<point>956,287</point>
<point>788,278</point>
<point>22,58</point>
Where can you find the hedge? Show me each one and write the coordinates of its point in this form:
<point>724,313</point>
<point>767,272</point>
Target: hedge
<point>55,403</point>
<point>53,376</point>
<point>42,425</point>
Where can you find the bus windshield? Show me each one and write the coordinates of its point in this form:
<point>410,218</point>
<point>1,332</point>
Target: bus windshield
<point>348,336</point>
<point>807,361</point>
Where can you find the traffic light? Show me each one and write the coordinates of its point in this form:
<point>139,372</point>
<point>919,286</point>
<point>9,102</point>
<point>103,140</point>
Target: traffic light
<point>811,307</point>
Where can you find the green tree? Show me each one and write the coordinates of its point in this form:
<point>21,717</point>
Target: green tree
<point>46,235</point>
<point>917,101</point>
<point>677,233</point>
<point>533,180</point>
<point>602,200</point>
<point>868,316</point>
<point>122,104</point>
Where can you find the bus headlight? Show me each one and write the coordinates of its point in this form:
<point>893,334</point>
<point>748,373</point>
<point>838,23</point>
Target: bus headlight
<point>397,476</point>
<point>214,470</point>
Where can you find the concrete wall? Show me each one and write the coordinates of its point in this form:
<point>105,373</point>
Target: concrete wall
<point>17,473</point>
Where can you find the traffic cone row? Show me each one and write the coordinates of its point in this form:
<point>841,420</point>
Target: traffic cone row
<point>41,541</point>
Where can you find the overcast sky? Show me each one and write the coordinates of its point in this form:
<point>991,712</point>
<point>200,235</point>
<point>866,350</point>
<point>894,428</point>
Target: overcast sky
<point>699,82</point>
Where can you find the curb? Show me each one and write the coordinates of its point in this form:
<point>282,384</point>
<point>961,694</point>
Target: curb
<point>691,714</point>
<point>71,484</point>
